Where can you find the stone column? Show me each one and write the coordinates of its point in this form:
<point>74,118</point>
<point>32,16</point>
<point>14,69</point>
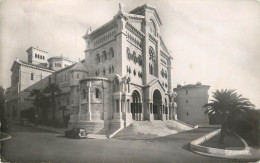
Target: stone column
<point>89,109</point>
<point>167,115</point>
<point>151,115</point>
<point>120,106</point>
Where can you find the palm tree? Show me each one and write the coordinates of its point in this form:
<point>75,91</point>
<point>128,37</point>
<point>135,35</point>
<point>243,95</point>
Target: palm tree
<point>39,101</point>
<point>224,105</point>
<point>52,89</point>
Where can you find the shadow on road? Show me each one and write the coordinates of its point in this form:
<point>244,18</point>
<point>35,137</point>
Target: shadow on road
<point>15,128</point>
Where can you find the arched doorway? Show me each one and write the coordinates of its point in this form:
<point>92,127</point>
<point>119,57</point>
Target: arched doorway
<point>157,104</point>
<point>136,105</point>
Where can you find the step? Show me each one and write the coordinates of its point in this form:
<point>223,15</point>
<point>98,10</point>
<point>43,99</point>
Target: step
<point>96,136</point>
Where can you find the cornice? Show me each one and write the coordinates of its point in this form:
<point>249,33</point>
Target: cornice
<point>135,31</point>
<point>101,30</point>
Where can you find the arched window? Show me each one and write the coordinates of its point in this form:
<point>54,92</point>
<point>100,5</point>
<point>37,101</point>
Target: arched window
<point>97,58</point>
<point>84,94</point>
<point>162,73</point>
<point>151,69</point>
<point>152,27</point>
<point>35,55</point>
<point>128,53</point>
<point>140,60</point>
<point>43,58</point>
<point>111,51</point>
<point>98,93</point>
<point>151,53</point>
<point>104,71</point>
<point>134,57</point>
<point>104,54</point>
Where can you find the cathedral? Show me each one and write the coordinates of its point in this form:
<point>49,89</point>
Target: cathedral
<point>125,76</point>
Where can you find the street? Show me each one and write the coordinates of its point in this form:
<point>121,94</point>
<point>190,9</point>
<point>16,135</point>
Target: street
<point>30,144</point>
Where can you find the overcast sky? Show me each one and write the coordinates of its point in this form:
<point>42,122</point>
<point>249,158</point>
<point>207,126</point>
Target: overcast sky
<point>215,42</point>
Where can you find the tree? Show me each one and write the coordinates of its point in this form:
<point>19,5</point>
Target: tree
<point>224,105</point>
<point>2,108</point>
<point>52,89</point>
<point>40,102</point>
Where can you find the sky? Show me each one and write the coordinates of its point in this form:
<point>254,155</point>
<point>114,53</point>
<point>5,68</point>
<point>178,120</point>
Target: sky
<point>214,42</point>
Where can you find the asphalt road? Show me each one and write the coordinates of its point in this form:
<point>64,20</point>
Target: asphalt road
<point>30,144</point>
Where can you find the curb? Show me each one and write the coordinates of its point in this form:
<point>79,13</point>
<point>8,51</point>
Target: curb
<point>246,154</point>
<point>6,138</point>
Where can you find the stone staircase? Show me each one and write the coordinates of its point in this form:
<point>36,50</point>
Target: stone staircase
<point>146,129</point>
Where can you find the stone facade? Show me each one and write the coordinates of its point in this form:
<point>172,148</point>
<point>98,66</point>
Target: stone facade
<point>190,100</point>
<point>129,74</point>
<point>126,75</point>
<point>25,77</point>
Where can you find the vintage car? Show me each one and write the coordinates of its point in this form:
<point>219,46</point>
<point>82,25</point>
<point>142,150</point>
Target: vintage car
<point>76,133</point>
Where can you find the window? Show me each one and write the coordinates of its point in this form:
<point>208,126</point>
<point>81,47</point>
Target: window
<point>128,53</point>
<point>151,53</point>
<point>49,79</point>
<point>104,71</point>
<point>187,101</point>
<point>140,60</point>
<point>162,73</point>
<point>31,76</point>
<point>151,69</point>
<point>186,91</point>
<point>110,70</point>
<point>97,58</point>
<point>77,76</point>
<point>104,54</point>
<point>35,55</point>
<point>84,94</point>
<point>134,57</point>
<point>111,51</point>
<point>97,93</point>
<point>43,58</point>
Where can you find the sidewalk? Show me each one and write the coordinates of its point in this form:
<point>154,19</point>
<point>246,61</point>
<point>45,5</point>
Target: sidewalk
<point>4,136</point>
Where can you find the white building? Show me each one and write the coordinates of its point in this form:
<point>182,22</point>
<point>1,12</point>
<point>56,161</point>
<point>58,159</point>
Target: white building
<point>190,100</point>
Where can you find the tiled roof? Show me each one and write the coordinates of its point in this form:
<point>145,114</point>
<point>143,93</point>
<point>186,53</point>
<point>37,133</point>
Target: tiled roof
<point>60,57</point>
<point>30,64</point>
<point>79,67</point>
<point>191,86</point>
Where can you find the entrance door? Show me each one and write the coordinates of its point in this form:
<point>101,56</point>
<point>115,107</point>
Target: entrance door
<point>157,104</point>
<point>136,106</point>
